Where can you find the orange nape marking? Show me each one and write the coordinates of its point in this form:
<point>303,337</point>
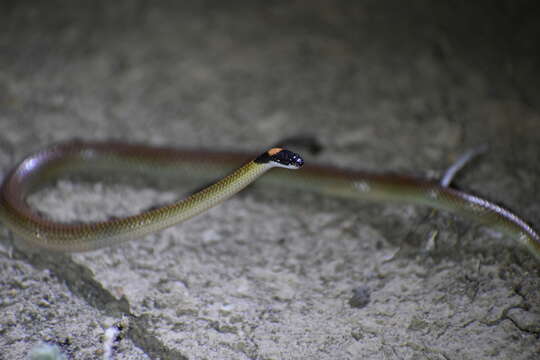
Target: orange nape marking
<point>274,151</point>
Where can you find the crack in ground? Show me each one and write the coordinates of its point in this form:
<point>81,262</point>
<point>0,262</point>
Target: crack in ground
<point>505,316</point>
<point>81,282</point>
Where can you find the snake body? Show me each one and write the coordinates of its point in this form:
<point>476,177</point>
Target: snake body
<point>96,158</point>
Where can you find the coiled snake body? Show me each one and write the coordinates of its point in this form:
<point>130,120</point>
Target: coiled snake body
<point>93,157</point>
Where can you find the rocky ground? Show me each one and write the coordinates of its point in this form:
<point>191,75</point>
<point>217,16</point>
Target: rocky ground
<point>384,86</point>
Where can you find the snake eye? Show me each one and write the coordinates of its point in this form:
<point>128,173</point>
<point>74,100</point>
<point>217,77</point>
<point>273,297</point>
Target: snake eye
<point>281,158</point>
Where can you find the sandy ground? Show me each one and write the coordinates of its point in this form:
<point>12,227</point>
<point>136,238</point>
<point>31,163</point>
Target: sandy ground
<point>273,274</point>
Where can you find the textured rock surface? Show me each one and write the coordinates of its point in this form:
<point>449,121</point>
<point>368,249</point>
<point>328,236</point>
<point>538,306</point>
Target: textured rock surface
<point>270,275</point>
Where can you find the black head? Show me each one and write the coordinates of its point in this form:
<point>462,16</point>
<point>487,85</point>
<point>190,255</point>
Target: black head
<point>282,158</point>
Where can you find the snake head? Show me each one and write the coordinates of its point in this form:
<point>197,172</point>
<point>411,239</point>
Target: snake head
<point>281,158</point>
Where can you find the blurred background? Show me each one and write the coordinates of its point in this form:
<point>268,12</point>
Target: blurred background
<point>370,77</point>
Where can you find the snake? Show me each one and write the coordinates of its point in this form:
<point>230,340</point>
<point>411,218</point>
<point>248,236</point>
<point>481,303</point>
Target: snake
<point>235,171</point>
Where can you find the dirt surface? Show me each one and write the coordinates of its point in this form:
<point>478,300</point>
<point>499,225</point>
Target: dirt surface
<point>277,274</point>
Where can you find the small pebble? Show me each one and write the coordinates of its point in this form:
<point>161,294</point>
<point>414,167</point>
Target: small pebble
<point>360,298</point>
